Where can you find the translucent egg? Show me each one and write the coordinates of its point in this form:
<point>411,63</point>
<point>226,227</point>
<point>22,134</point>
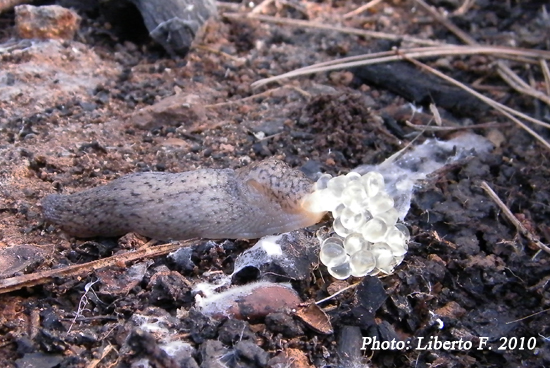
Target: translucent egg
<point>368,216</point>
<point>381,203</point>
<point>355,243</point>
<point>322,182</point>
<point>342,271</point>
<point>374,230</point>
<point>383,255</point>
<point>353,176</point>
<point>362,263</point>
<point>389,217</point>
<point>380,247</point>
<point>351,220</point>
<point>337,212</point>
<point>373,183</point>
<point>405,230</point>
<point>385,262</point>
<point>332,252</point>
<point>398,250</point>
<point>340,229</point>
<point>353,196</point>
<point>337,184</point>
<point>396,238</point>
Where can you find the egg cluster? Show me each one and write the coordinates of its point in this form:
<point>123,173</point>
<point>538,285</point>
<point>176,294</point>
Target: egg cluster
<point>368,238</point>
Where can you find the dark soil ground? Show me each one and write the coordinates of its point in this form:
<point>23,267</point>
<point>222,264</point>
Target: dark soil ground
<point>67,123</point>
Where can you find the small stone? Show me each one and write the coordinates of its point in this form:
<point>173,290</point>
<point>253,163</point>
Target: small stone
<point>46,22</point>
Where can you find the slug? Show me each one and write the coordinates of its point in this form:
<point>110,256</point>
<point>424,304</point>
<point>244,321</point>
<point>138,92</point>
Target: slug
<point>260,199</point>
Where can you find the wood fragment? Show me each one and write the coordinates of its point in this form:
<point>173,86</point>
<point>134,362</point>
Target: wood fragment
<point>42,277</point>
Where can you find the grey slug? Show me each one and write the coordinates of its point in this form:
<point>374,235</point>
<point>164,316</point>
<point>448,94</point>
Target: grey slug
<point>260,199</point>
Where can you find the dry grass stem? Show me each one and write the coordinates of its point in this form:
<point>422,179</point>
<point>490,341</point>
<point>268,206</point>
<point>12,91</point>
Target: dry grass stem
<point>338,293</point>
<point>504,70</point>
<point>430,128</point>
<point>327,27</point>
<point>546,74</point>
<point>466,38</point>
<point>43,277</point>
<point>505,110</point>
<point>519,84</point>
<point>362,8</point>
<point>262,94</point>
<point>413,53</point>
<point>510,216</point>
<point>95,362</point>
<point>464,8</point>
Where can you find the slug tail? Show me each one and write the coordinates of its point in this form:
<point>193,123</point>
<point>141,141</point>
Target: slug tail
<point>52,208</point>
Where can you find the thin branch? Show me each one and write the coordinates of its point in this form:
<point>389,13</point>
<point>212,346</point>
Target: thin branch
<point>338,293</point>
<point>430,128</point>
<point>43,277</point>
<point>504,70</point>
<point>349,30</point>
<point>505,110</point>
<point>510,216</point>
<point>466,38</point>
<point>519,84</point>
<point>413,53</point>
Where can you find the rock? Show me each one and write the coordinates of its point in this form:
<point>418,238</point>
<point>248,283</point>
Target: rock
<point>251,301</point>
<point>234,330</point>
<point>211,352</point>
<point>278,258</point>
<point>290,358</point>
<point>19,258</point>
<point>169,287</point>
<point>349,345</point>
<point>39,360</point>
<point>119,281</point>
<point>284,324</point>
<point>175,23</point>
<point>46,22</point>
<point>249,351</point>
<point>176,110</point>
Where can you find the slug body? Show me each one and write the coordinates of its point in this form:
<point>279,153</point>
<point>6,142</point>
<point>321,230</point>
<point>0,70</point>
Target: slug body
<point>260,199</point>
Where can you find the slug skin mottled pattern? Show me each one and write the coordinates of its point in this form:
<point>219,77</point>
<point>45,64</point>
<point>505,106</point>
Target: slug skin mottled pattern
<point>260,199</point>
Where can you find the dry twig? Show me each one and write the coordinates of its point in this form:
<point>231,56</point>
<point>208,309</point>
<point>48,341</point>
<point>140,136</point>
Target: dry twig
<point>42,277</point>
<point>505,72</point>
<point>510,216</point>
<point>504,110</point>
<point>327,27</point>
<point>412,53</point>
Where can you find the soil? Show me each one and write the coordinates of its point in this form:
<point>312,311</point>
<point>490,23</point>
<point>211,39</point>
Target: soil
<point>77,114</point>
